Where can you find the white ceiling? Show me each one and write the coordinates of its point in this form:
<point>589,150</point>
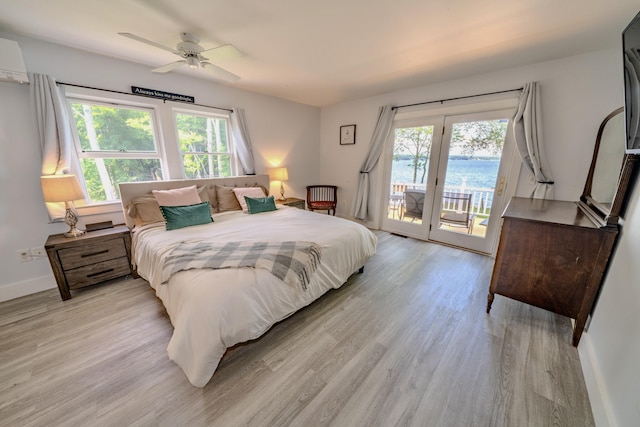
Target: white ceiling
<point>324,52</point>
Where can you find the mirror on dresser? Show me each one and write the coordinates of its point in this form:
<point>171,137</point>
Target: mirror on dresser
<point>609,174</point>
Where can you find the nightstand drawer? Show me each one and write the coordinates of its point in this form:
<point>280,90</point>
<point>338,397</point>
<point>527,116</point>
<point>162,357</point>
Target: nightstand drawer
<point>98,272</point>
<point>91,253</point>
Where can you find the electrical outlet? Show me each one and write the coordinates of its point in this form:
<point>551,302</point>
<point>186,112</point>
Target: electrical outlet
<point>38,253</point>
<point>24,255</point>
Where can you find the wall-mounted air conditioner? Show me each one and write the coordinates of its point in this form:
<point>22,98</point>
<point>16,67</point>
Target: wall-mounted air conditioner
<point>12,67</point>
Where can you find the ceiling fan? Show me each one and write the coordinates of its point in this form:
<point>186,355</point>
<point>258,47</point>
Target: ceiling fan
<point>194,55</point>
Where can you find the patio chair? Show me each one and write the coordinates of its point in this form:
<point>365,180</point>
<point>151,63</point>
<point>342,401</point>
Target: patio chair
<point>456,210</point>
<point>395,204</point>
<point>322,198</point>
<point>412,204</point>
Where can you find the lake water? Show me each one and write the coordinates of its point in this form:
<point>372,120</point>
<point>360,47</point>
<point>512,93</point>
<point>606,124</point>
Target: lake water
<point>478,173</point>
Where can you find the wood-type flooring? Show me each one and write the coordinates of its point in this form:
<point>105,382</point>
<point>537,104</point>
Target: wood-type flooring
<point>406,343</point>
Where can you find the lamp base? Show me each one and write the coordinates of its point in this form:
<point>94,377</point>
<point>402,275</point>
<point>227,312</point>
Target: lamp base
<point>74,232</point>
<point>282,198</point>
<point>71,219</point>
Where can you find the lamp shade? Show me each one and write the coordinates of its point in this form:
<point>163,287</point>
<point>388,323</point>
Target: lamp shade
<point>280,174</point>
<point>61,188</point>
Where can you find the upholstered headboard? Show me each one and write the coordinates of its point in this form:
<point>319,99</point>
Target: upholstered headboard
<point>132,190</point>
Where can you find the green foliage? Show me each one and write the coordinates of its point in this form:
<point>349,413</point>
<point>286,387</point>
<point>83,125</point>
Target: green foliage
<point>204,144</point>
<point>486,136</point>
<point>104,129</point>
<point>116,128</point>
<point>417,142</point>
<point>118,170</point>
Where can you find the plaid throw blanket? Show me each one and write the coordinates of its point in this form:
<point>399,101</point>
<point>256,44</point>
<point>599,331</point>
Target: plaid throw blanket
<point>293,262</point>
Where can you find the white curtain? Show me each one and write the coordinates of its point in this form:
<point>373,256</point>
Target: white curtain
<point>242,143</point>
<point>361,209</point>
<point>54,132</point>
<point>527,129</point>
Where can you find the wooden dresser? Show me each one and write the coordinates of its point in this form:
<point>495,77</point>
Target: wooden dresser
<point>552,256</point>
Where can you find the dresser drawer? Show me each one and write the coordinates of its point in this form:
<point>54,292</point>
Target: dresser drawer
<point>91,253</point>
<point>98,272</point>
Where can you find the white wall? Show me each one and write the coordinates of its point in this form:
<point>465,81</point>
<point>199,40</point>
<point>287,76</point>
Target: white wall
<point>280,131</point>
<point>577,94</point>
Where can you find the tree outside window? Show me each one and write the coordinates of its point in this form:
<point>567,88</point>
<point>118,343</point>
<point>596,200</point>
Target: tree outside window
<point>204,144</point>
<point>115,144</point>
<point>414,145</point>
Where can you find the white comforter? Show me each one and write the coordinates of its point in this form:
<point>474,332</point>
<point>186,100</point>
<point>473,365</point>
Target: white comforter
<point>212,310</point>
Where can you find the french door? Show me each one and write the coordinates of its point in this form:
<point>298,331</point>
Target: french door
<point>448,178</point>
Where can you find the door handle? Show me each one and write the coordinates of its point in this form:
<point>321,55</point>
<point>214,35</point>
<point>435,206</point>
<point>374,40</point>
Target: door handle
<point>501,186</point>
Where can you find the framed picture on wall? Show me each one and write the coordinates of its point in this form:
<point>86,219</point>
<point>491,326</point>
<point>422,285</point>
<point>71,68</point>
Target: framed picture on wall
<point>347,134</point>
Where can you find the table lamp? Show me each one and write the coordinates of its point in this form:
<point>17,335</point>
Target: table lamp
<point>281,174</point>
<point>64,188</point>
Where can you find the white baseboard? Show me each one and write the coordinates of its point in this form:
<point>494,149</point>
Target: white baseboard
<point>593,378</point>
<point>27,287</point>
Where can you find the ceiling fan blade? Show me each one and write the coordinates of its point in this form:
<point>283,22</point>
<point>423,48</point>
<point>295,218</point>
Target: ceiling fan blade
<point>219,72</point>
<point>226,51</point>
<point>169,67</point>
<point>152,43</point>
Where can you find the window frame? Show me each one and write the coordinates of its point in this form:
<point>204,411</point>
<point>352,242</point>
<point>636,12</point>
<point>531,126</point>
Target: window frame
<point>88,96</point>
<point>207,113</point>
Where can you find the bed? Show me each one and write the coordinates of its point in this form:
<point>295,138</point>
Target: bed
<point>212,309</point>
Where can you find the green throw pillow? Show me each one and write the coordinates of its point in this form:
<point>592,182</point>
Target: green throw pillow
<point>185,216</point>
<point>260,204</point>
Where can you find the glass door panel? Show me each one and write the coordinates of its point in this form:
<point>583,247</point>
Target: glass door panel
<point>407,206</point>
<point>469,172</point>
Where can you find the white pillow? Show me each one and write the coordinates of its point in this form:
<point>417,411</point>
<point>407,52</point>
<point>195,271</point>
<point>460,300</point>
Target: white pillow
<point>185,196</point>
<point>249,192</point>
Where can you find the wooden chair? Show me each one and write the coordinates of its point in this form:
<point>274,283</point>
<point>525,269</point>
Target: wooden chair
<point>456,210</point>
<point>412,204</point>
<point>322,198</point>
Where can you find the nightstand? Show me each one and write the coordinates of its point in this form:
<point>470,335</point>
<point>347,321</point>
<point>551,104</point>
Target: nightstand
<point>92,258</point>
<point>294,202</point>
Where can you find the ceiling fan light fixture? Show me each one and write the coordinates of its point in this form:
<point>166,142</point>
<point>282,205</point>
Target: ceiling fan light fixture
<point>193,62</point>
<point>191,55</point>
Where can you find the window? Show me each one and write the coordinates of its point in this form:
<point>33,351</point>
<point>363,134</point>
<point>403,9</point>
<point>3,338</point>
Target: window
<point>115,143</point>
<point>205,145</point>
<point>123,138</point>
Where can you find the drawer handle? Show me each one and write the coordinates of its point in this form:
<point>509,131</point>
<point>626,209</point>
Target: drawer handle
<point>100,272</point>
<point>94,253</point>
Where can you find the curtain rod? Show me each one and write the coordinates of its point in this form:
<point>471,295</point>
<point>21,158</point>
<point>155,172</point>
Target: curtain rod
<point>454,99</point>
<point>145,96</point>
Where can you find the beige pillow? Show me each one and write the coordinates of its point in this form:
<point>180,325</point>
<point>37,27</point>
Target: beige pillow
<point>253,192</point>
<point>213,198</point>
<point>145,210</point>
<point>185,196</point>
<point>227,200</point>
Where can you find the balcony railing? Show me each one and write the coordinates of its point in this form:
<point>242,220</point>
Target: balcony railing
<point>481,197</point>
